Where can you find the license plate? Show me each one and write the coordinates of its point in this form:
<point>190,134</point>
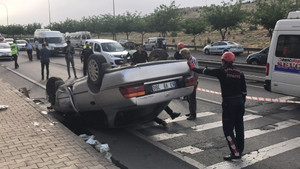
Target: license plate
<point>163,86</point>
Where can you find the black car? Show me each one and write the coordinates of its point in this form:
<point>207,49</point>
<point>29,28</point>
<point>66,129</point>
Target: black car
<point>259,58</point>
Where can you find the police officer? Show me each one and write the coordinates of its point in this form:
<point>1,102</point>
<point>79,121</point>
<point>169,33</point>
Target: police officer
<point>86,52</point>
<point>233,87</point>
<point>14,52</point>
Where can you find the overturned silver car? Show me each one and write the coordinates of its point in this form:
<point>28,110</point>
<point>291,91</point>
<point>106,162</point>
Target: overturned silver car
<point>123,96</point>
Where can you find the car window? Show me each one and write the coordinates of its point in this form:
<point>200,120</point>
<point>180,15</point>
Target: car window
<point>222,43</point>
<point>97,47</point>
<point>231,43</point>
<point>4,46</point>
<point>152,41</point>
<point>215,44</point>
<point>288,46</point>
<point>112,47</point>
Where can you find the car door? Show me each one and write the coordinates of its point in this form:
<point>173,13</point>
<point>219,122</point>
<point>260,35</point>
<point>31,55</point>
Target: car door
<point>222,46</point>
<point>213,48</point>
<point>97,48</point>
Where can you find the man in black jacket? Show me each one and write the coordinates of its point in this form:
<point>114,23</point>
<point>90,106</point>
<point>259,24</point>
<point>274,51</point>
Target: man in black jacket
<point>69,52</point>
<point>233,87</point>
<point>140,56</point>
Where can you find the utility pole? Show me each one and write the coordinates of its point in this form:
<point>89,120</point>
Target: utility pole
<point>114,34</point>
<point>49,13</point>
<point>297,5</point>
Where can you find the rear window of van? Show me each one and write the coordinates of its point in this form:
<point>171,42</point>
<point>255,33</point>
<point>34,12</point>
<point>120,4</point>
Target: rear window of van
<point>288,46</point>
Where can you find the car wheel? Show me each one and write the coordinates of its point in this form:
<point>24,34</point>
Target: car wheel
<point>52,85</point>
<point>206,51</point>
<point>158,54</point>
<point>96,70</point>
<point>254,62</point>
<point>236,54</point>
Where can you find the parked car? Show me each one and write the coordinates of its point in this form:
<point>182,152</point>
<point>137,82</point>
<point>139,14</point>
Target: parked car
<point>21,44</point>
<point>9,40</point>
<point>113,52</point>
<point>5,51</point>
<point>127,44</point>
<point>258,58</point>
<point>153,43</point>
<point>223,46</point>
<point>121,96</point>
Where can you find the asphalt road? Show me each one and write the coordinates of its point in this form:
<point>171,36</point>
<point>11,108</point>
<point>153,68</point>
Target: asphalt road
<point>272,129</point>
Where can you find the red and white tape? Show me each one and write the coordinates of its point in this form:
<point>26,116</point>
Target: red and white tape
<point>274,100</point>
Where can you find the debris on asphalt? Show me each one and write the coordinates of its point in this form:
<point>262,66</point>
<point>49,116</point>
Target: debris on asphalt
<point>3,107</point>
<point>38,101</point>
<point>44,112</point>
<point>24,91</point>
<point>102,148</point>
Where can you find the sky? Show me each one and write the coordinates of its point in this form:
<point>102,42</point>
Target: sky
<point>37,11</point>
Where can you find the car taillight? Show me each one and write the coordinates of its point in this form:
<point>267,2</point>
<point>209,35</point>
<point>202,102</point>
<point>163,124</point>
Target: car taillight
<point>135,91</point>
<point>232,46</point>
<point>267,69</point>
<point>189,82</point>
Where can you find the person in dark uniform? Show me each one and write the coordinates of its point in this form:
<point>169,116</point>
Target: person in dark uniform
<point>69,52</point>
<point>45,60</point>
<point>234,91</point>
<point>177,55</point>
<point>86,52</point>
<point>140,56</point>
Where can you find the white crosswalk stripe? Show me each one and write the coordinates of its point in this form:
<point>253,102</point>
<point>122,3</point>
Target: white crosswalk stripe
<point>219,123</point>
<point>165,136</point>
<point>189,149</point>
<point>259,155</point>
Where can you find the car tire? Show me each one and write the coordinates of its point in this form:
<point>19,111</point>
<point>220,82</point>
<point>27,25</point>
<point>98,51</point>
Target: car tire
<point>97,66</point>
<point>158,54</point>
<point>236,54</point>
<point>254,62</point>
<point>52,85</point>
<point>206,51</point>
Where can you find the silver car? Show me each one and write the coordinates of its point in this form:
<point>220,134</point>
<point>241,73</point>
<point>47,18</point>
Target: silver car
<point>223,46</point>
<point>121,96</point>
<point>21,44</point>
<point>5,51</point>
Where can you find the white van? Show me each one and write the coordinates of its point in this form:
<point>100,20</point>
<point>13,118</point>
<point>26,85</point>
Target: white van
<point>78,38</point>
<point>54,40</point>
<point>283,65</point>
<point>113,51</point>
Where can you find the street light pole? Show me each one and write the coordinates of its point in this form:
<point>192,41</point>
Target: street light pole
<point>6,12</point>
<point>114,34</point>
<point>297,5</point>
<point>49,13</point>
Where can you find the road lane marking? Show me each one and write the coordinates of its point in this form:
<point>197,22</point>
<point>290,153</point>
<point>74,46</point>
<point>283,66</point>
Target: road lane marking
<point>216,102</point>
<point>271,128</point>
<point>181,118</point>
<point>165,136</point>
<point>259,155</point>
<point>189,149</point>
<point>216,124</point>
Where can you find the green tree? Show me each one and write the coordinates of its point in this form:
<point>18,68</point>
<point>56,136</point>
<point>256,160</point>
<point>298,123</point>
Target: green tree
<point>165,19</point>
<point>224,18</point>
<point>141,25</point>
<point>267,13</point>
<point>30,28</point>
<point>194,26</point>
<point>125,23</point>
<point>12,30</point>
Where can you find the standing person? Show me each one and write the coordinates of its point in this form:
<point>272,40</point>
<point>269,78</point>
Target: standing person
<point>29,50</point>
<point>86,52</point>
<point>45,60</point>
<point>14,52</point>
<point>234,91</point>
<point>36,43</point>
<point>69,52</point>
<point>140,56</point>
<point>164,44</point>
<point>192,97</point>
<point>177,55</point>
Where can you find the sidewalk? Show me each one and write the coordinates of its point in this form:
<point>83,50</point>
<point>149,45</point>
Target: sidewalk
<point>30,139</point>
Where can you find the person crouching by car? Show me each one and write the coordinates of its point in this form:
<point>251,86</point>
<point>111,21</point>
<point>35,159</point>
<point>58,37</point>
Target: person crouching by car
<point>140,56</point>
<point>86,52</point>
<point>45,60</point>
<point>234,91</point>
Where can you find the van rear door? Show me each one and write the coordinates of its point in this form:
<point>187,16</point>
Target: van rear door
<point>285,63</point>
